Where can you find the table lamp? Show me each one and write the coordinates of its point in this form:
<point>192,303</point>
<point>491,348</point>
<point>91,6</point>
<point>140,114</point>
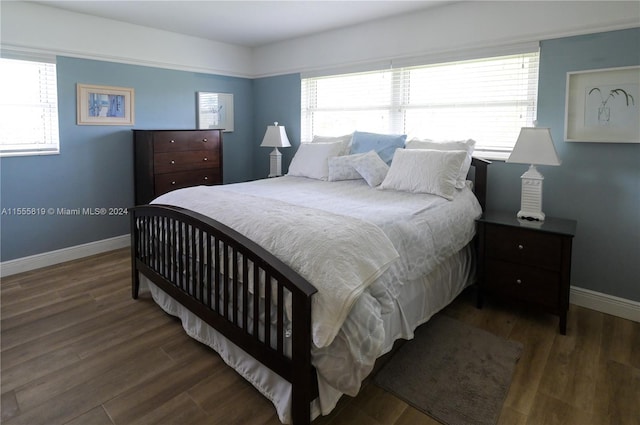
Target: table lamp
<point>534,146</point>
<point>275,137</point>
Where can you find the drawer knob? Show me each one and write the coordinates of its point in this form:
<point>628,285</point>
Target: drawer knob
<point>172,161</point>
<point>519,281</point>
<point>204,140</point>
<point>173,141</point>
<point>206,178</point>
<point>173,182</point>
<point>205,158</point>
<point>520,247</point>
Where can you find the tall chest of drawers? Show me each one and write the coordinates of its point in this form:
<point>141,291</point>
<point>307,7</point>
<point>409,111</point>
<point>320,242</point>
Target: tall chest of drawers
<point>526,261</point>
<point>165,160</point>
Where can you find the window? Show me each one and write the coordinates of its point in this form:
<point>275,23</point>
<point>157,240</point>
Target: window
<point>28,108</point>
<point>487,100</point>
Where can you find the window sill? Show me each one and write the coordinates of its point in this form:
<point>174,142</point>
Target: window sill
<point>492,156</point>
<point>26,153</point>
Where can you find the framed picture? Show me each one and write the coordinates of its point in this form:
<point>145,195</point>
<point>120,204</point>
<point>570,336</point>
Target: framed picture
<point>215,110</point>
<point>602,106</point>
<point>104,105</point>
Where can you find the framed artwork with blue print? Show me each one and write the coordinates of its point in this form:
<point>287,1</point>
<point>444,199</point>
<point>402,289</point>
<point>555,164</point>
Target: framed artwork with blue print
<point>105,105</point>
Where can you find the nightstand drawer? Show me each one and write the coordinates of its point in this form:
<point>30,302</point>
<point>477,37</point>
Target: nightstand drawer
<point>525,283</point>
<point>524,247</point>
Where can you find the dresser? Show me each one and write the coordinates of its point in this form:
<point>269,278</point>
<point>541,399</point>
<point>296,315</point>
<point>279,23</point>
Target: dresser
<point>165,160</point>
<point>526,261</point>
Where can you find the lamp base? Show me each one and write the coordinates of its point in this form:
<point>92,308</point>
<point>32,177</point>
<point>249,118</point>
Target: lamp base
<point>530,223</point>
<point>531,215</point>
<point>275,163</point>
<point>531,198</point>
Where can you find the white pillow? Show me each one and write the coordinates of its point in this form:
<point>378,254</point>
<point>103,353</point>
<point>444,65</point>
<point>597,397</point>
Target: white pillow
<point>345,140</point>
<point>341,168</point>
<point>311,159</point>
<point>371,167</point>
<point>462,145</point>
<point>425,171</point>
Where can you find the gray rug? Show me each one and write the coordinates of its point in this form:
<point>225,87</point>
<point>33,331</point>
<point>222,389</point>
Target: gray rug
<point>453,372</point>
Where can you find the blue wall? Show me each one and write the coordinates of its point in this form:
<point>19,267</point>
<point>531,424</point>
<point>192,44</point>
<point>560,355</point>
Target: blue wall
<point>276,99</point>
<point>95,166</point>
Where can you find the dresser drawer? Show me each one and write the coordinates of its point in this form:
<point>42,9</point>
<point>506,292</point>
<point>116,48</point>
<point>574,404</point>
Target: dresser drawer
<point>171,181</point>
<point>524,247</point>
<point>171,141</point>
<point>167,162</point>
<point>525,283</point>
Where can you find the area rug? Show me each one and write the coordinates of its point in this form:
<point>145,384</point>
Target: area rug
<point>453,372</point>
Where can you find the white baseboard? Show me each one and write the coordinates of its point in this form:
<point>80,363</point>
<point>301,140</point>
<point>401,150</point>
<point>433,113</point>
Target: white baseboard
<point>621,307</point>
<point>32,262</point>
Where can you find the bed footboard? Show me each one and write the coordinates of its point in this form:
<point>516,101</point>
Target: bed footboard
<point>234,285</point>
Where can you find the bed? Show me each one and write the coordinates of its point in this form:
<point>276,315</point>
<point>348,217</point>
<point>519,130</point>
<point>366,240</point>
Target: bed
<point>301,283</point>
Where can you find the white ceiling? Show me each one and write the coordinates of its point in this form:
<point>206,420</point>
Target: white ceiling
<point>244,23</point>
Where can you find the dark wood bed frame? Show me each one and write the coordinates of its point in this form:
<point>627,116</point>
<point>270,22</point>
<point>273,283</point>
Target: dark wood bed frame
<point>179,251</point>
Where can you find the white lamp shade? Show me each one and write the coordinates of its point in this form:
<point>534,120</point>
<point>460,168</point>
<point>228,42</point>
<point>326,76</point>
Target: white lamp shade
<point>275,137</point>
<point>534,146</point>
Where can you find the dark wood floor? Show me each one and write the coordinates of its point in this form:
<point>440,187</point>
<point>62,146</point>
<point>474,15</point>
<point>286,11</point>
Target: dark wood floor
<point>76,349</point>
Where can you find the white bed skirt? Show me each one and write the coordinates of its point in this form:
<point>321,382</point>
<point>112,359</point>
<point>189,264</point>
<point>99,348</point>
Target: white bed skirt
<point>416,303</point>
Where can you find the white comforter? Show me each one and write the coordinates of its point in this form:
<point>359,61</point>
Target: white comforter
<point>341,256</point>
<point>423,229</point>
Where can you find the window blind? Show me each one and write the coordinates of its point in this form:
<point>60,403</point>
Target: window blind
<point>487,100</point>
<point>28,108</point>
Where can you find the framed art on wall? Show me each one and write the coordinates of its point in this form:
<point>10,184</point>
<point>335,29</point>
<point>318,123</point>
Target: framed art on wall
<point>602,106</point>
<point>104,105</point>
<point>215,111</point>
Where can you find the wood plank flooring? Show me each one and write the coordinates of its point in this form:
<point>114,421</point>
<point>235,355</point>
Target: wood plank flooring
<point>77,350</point>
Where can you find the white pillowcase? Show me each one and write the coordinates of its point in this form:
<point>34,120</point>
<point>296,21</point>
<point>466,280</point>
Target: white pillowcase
<point>311,159</point>
<point>425,171</point>
<point>345,140</point>
<point>462,145</point>
<point>341,168</point>
<point>371,167</point>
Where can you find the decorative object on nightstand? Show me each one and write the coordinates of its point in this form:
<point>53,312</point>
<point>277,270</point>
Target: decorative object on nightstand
<point>275,137</point>
<point>531,265</point>
<point>534,146</point>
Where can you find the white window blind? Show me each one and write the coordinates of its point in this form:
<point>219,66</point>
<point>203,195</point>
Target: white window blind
<point>487,100</point>
<point>28,108</point>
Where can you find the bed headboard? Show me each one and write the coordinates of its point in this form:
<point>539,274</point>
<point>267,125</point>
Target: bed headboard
<point>480,167</point>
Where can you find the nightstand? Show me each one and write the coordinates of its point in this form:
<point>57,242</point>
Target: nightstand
<point>528,261</point>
